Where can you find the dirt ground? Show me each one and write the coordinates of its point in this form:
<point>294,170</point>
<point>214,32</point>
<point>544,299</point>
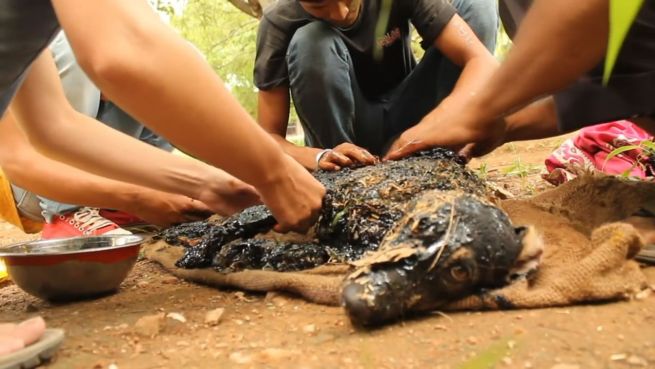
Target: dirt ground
<point>276,331</point>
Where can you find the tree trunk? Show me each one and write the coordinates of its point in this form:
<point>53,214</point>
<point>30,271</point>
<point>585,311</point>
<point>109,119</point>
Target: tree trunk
<point>253,8</point>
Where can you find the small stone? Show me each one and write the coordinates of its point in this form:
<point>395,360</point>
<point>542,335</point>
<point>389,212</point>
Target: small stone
<point>176,316</point>
<point>507,360</point>
<point>642,295</point>
<point>599,328</point>
<point>618,357</point>
<point>239,357</point>
<point>511,344</point>
<point>149,325</point>
<point>527,365</point>
<point>183,343</point>
<point>635,360</point>
<point>472,340</point>
<point>309,328</point>
<point>112,366</point>
<point>213,317</point>
<point>241,296</point>
<point>170,280</point>
<point>275,354</point>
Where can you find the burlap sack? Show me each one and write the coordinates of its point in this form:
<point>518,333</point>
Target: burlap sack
<point>587,254</point>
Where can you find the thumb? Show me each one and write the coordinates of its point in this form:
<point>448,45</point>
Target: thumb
<point>468,151</point>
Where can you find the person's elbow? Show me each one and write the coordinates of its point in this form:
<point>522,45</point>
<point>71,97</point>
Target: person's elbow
<point>14,159</point>
<point>49,140</point>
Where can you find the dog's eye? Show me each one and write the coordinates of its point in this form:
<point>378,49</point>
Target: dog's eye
<point>459,273</point>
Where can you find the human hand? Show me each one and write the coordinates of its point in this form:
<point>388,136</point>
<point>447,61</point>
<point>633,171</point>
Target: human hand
<point>345,155</point>
<point>293,195</point>
<point>165,209</point>
<point>463,132</point>
<point>225,194</point>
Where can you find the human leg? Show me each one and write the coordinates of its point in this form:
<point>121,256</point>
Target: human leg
<point>325,91</point>
<point>435,76</point>
<point>27,203</point>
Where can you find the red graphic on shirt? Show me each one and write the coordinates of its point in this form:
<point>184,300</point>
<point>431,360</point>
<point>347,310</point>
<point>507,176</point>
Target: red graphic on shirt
<point>391,37</point>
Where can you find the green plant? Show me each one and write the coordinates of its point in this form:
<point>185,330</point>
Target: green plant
<point>519,169</point>
<point>489,358</point>
<point>510,147</point>
<point>646,147</point>
<point>483,170</point>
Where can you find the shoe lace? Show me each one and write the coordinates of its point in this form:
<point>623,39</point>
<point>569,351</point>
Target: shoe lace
<point>89,220</point>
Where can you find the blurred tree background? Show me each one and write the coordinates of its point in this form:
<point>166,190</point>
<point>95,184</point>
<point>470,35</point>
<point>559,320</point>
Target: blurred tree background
<point>225,32</point>
<point>226,36</point>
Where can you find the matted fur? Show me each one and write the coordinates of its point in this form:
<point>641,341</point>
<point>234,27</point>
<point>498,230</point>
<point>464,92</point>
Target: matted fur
<point>587,252</point>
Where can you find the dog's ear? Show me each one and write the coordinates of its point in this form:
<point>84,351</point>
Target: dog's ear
<point>532,247</point>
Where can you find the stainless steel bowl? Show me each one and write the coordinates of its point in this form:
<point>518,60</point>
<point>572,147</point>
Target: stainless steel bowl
<point>72,268</point>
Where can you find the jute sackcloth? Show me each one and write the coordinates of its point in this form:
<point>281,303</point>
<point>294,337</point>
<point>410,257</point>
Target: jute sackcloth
<point>587,252</point>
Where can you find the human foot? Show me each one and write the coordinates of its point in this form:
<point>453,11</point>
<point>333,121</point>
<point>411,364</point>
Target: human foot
<point>28,343</point>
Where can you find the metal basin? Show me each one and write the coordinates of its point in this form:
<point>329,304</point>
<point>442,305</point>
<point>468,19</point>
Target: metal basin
<point>72,268</point>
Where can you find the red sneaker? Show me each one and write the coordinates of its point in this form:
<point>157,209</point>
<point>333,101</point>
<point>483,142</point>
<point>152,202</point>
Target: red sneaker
<point>128,221</point>
<point>83,222</point>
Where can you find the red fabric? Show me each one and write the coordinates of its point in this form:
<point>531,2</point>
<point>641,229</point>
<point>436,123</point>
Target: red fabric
<point>590,148</point>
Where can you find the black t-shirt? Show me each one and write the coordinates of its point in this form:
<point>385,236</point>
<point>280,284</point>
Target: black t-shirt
<point>631,88</point>
<point>375,77</point>
<point>26,28</point>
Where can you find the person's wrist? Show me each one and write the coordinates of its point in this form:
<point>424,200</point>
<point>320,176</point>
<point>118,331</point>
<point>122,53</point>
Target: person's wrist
<point>280,177</point>
<point>134,199</point>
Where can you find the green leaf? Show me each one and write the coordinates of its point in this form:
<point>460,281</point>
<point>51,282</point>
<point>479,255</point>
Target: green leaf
<point>619,151</point>
<point>622,14</point>
<point>649,146</point>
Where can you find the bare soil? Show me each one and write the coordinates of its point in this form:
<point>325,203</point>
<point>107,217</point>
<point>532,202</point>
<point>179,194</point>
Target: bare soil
<point>277,331</point>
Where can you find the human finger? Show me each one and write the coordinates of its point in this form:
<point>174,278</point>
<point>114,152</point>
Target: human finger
<point>359,154</point>
<point>328,165</point>
<point>401,149</point>
<point>337,158</point>
<point>467,151</point>
<point>300,225</point>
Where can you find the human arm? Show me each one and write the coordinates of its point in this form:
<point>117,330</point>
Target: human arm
<point>460,45</point>
<point>153,74</point>
<point>29,169</point>
<point>535,121</point>
<point>273,115</point>
<point>59,131</point>
<point>551,50</point>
